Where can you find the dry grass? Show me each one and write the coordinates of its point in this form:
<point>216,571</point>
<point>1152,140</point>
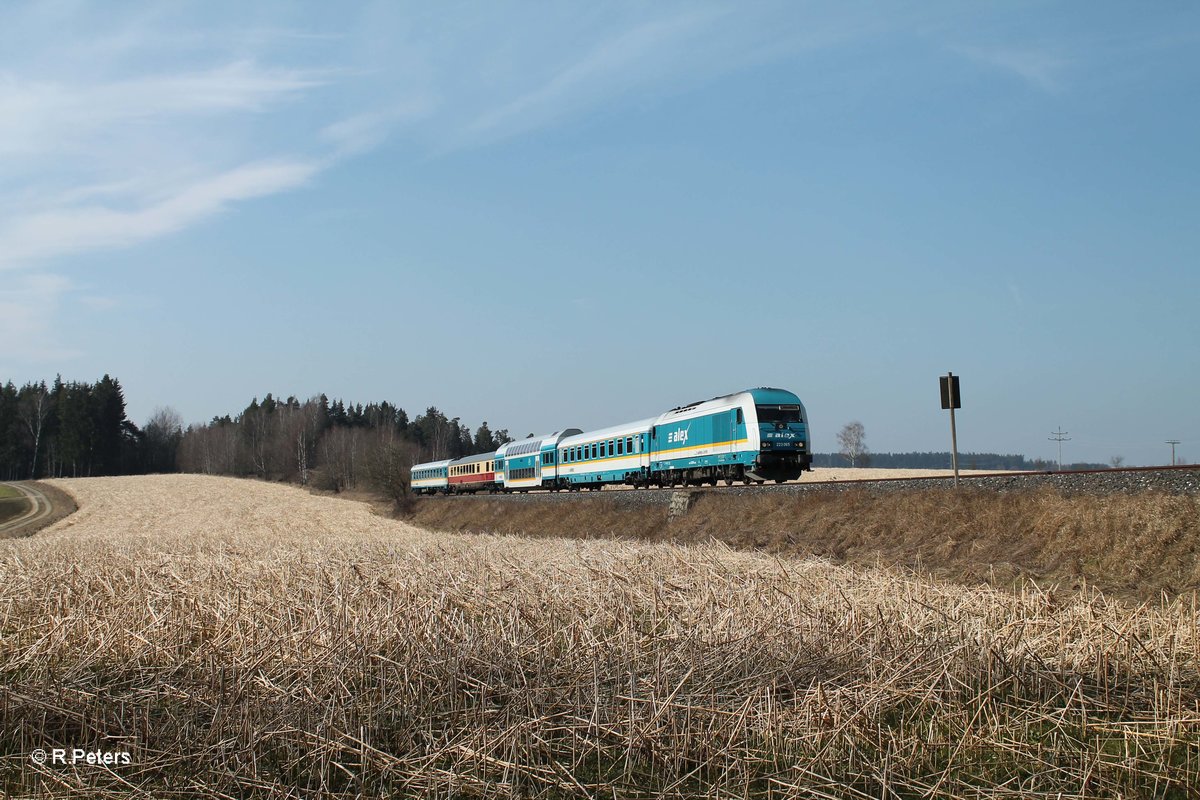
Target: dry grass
<point>1137,546</point>
<point>247,639</point>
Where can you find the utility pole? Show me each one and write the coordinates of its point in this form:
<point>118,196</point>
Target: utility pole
<point>1172,442</point>
<point>1059,436</point>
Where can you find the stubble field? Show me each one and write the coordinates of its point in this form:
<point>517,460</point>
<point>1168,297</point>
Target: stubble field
<point>244,639</point>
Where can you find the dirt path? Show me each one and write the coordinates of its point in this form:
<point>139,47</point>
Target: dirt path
<point>46,506</point>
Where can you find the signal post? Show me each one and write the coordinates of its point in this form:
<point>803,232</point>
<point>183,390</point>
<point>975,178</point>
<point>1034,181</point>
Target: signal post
<point>952,400</point>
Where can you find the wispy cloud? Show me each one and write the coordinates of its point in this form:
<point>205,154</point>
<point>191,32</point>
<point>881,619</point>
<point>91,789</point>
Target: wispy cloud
<point>639,56</point>
<point>1042,69</point>
<point>84,228</point>
<point>121,129</point>
<point>43,116</point>
<point>29,305</point>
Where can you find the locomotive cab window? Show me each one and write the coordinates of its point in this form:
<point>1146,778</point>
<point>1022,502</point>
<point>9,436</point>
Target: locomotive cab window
<point>782,413</point>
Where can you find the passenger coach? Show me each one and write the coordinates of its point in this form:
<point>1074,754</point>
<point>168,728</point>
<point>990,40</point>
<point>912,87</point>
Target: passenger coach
<point>473,474</point>
<point>430,478</point>
<point>532,463</point>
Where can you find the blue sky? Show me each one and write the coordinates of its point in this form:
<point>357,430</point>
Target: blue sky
<point>570,214</point>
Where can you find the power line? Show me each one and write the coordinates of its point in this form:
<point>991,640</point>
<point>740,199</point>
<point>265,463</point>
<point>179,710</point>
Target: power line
<point>1172,442</point>
<point>1059,436</point>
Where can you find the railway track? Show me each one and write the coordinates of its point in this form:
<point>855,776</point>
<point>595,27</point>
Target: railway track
<point>1181,479</point>
<point>961,478</point>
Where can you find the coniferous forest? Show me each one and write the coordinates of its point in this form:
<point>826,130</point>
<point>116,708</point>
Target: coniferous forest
<point>80,429</point>
<point>69,430</point>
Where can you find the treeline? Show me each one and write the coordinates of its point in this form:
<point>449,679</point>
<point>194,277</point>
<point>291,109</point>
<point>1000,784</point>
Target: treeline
<point>331,445</point>
<point>77,429</point>
<point>999,461</point>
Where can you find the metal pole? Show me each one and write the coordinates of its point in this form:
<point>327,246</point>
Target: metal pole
<point>953,432</point>
<point>1172,442</point>
<point>1059,436</point>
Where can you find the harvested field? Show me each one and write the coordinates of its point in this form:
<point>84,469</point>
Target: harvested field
<point>245,639</point>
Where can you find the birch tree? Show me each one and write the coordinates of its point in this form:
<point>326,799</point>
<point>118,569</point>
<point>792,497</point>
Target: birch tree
<point>852,442</point>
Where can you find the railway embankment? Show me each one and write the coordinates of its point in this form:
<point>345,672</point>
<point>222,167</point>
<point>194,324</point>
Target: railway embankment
<point>1131,532</point>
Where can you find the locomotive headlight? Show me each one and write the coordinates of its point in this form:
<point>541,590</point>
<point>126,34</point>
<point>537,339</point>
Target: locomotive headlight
<point>766,445</point>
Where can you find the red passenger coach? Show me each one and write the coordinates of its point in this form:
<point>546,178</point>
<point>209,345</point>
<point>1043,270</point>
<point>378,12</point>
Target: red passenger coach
<point>473,474</point>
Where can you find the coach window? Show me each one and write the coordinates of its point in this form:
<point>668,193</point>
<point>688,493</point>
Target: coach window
<point>620,447</point>
<point>611,451</point>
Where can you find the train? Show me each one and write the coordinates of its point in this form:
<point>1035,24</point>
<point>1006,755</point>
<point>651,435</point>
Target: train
<point>752,436</point>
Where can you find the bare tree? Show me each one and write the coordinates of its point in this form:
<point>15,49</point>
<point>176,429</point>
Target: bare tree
<point>163,431</point>
<point>341,450</point>
<point>33,410</point>
<point>1116,461</point>
<point>388,468</point>
<point>299,427</point>
<point>852,442</point>
<point>258,426</point>
<point>212,449</point>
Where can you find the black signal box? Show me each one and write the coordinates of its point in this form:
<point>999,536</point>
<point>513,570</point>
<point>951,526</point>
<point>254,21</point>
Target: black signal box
<point>950,395</point>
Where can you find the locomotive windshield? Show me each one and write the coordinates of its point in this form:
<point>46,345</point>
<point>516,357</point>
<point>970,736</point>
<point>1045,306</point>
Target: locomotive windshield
<point>778,413</point>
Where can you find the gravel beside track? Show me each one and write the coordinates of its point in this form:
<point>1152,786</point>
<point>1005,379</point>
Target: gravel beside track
<point>1171,480</point>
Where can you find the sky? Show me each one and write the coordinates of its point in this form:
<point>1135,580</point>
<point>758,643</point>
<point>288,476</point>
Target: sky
<point>578,214</point>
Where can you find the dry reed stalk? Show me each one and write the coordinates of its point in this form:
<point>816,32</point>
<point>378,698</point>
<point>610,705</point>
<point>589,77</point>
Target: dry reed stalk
<point>250,640</point>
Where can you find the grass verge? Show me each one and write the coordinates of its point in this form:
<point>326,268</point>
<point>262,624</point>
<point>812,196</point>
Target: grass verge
<point>1136,545</point>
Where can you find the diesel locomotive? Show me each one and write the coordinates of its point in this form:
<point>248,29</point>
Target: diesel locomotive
<point>753,436</point>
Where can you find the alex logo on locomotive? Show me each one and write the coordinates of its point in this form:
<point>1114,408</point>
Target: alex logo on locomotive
<point>679,436</point>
